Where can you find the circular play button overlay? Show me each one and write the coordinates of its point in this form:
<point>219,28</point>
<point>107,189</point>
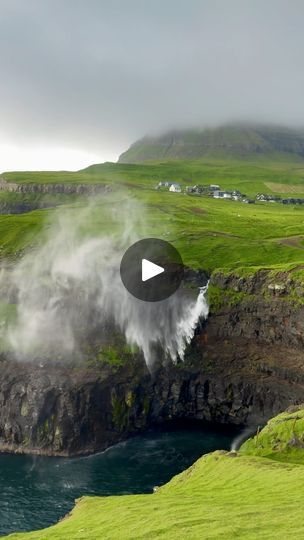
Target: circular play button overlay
<point>151,269</point>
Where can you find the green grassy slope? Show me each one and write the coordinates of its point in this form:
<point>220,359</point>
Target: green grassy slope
<point>209,233</point>
<point>281,439</point>
<point>223,495</point>
<point>238,141</point>
<point>220,496</point>
<point>250,177</point>
<point>46,177</point>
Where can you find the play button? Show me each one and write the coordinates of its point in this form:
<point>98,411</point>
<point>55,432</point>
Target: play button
<point>151,270</point>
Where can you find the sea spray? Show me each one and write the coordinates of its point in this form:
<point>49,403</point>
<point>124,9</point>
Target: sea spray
<point>71,286</point>
<point>242,437</point>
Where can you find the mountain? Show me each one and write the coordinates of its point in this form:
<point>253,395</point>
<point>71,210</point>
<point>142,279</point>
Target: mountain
<point>230,141</point>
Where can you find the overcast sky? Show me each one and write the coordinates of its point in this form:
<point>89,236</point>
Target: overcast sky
<point>81,80</point>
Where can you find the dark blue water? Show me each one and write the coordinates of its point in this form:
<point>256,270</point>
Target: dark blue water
<point>36,491</point>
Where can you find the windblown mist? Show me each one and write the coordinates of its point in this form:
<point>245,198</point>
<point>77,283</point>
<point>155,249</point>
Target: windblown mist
<point>70,289</point>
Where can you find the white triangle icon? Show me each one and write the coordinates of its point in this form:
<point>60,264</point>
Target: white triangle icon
<point>150,270</point>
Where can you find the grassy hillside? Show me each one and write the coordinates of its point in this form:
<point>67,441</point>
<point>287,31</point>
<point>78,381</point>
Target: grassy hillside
<point>281,439</point>
<point>223,495</point>
<point>209,233</point>
<point>226,142</point>
<point>250,178</point>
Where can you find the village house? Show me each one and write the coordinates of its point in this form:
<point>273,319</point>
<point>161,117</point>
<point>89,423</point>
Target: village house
<point>267,198</point>
<point>198,190</point>
<point>293,201</point>
<point>176,188</point>
<point>165,184</point>
<point>237,195</point>
<point>248,201</point>
<point>222,194</point>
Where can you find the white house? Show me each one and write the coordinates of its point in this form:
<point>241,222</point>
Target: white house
<point>175,188</point>
<point>222,194</point>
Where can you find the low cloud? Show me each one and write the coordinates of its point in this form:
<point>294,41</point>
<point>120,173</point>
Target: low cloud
<point>96,75</point>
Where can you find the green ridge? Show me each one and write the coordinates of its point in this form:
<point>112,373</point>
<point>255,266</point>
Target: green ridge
<point>238,141</point>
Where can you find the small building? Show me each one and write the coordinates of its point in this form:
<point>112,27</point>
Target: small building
<point>237,195</point>
<point>293,201</point>
<point>248,201</point>
<point>199,189</point>
<point>175,188</point>
<point>222,194</point>
<point>164,184</point>
<point>265,197</point>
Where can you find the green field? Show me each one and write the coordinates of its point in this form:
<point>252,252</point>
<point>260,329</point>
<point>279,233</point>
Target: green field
<point>223,495</point>
<point>250,178</point>
<point>209,233</point>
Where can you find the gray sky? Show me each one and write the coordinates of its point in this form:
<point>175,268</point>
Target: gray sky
<point>81,80</point>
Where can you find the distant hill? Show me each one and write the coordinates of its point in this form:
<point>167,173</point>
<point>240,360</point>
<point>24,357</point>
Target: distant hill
<point>231,141</point>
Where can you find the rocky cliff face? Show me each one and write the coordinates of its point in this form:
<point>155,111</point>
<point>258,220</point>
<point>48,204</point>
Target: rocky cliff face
<point>22,198</point>
<point>64,189</point>
<point>245,365</point>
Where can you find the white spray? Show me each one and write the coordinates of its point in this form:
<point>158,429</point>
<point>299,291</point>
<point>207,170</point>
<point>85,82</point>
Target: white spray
<point>242,437</point>
<point>72,284</point>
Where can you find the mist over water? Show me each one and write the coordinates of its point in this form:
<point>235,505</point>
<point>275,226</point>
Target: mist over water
<point>71,286</point>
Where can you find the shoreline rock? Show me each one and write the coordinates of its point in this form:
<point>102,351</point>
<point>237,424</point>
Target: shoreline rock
<point>245,365</point>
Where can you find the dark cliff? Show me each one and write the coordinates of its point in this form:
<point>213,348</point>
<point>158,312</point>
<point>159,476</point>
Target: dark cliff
<point>245,365</point>
<point>64,188</point>
<point>17,198</point>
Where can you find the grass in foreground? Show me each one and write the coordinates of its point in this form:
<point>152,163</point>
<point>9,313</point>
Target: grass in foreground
<point>221,496</point>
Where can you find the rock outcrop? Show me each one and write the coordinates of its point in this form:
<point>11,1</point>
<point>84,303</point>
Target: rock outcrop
<point>54,189</point>
<point>25,197</point>
<point>244,365</point>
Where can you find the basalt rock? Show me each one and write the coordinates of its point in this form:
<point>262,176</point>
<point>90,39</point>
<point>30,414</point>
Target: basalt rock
<point>245,364</point>
<point>65,188</point>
